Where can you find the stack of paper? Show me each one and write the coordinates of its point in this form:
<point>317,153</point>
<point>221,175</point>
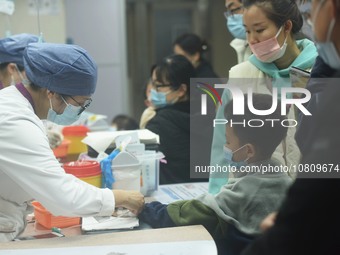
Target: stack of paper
<point>108,223</point>
<point>101,140</point>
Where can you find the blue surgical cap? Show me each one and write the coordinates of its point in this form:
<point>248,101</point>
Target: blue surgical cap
<point>12,48</point>
<point>305,7</point>
<point>62,68</point>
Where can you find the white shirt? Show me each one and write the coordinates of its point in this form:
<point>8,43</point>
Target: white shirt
<point>29,170</point>
<point>242,49</point>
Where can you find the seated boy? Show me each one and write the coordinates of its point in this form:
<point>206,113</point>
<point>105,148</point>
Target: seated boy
<point>247,198</point>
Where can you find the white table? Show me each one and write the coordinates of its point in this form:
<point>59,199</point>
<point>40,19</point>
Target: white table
<point>187,240</point>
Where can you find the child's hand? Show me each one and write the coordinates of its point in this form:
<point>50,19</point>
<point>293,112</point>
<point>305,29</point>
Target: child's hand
<point>268,222</point>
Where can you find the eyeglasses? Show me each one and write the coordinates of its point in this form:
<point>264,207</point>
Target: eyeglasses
<point>83,106</point>
<point>157,86</point>
<point>231,12</point>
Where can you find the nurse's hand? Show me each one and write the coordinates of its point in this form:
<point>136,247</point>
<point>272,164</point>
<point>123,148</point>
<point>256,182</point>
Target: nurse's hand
<point>129,199</point>
<point>54,138</point>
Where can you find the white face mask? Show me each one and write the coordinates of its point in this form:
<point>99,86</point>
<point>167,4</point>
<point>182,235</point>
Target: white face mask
<point>69,115</point>
<point>269,50</point>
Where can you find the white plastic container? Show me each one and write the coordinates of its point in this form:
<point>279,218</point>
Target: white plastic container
<point>126,170</point>
<point>150,171</point>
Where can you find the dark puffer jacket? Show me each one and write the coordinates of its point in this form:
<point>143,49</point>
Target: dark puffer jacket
<point>320,75</point>
<point>172,124</point>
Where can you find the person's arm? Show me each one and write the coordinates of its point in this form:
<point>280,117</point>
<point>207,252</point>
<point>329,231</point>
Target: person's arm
<point>319,81</point>
<point>269,221</point>
<point>34,171</point>
<point>304,223</point>
<point>182,213</point>
<point>156,215</point>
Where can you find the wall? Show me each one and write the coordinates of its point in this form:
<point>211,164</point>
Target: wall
<point>99,27</point>
<point>24,20</point>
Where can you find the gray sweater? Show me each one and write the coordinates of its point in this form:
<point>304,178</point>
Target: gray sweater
<point>245,201</point>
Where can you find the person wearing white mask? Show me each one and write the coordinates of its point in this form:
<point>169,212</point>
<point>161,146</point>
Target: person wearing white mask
<point>270,27</point>
<point>61,81</point>
<point>234,22</point>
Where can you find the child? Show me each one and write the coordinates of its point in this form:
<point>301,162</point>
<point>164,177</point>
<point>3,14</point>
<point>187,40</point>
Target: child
<point>237,210</point>
<point>124,122</point>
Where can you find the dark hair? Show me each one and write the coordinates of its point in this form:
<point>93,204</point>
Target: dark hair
<point>124,122</point>
<point>175,70</point>
<point>265,138</point>
<point>35,87</point>
<point>3,66</point>
<point>279,11</point>
<point>21,68</point>
<point>148,81</point>
<point>191,44</point>
<point>145,88</point>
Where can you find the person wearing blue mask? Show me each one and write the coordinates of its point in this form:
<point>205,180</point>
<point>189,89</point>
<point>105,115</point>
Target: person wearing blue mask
<point>234,22</point>
<point>170,96</point>
<point>326,66</point>
<point>61,80</point>
<point>11,58</point>
<point>149,111</point>
<point>12,72</point>
<point>327,43</point>
<point>307,28</point>
<point>308,220</point>
<point>233,215</point>
<point>270,27</point>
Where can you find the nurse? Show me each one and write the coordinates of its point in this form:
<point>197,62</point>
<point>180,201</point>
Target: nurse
<point>11,58</point>
<point>62,79</point>
<point>12,72</point>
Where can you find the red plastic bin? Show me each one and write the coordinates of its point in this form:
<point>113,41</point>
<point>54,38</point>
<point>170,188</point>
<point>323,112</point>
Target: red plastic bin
<point>87,170</point>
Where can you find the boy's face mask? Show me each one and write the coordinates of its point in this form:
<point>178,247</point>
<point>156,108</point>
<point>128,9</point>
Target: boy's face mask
<point>228,155</point>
